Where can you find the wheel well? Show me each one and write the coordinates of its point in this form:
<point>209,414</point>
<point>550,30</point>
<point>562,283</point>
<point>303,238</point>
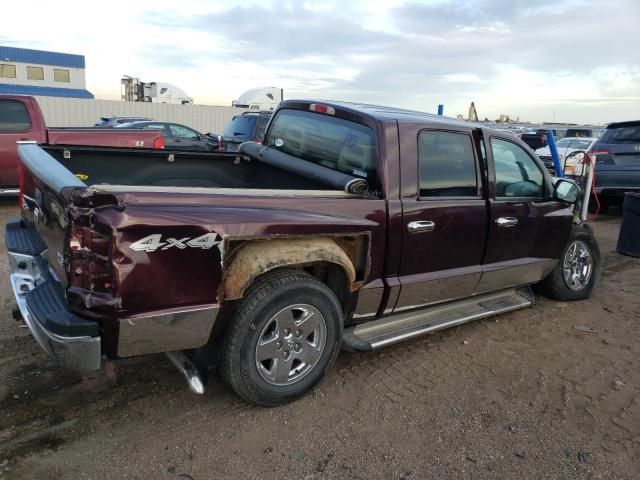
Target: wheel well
<point>333,276</point>
<point>334,262</point>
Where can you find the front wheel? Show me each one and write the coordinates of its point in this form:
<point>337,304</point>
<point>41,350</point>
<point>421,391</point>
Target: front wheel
<point>578,269</point>
<point>284,337</point>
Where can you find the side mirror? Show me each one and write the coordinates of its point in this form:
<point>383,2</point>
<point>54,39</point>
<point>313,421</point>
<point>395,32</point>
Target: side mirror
<point>566,191</point>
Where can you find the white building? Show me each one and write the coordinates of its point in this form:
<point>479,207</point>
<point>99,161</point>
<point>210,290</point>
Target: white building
<point>38,72</point>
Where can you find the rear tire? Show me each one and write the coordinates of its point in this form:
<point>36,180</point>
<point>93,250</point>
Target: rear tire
<point>284,337</point>
<point>578,270</point>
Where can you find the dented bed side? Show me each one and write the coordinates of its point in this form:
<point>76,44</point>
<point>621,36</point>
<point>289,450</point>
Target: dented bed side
<point>187,252</point>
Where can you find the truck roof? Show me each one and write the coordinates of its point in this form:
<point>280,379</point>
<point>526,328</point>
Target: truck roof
<point>379,112</point>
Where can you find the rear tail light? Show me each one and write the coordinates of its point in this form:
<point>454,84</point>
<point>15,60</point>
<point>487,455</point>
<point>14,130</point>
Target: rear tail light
<point>321,108</point>
<point>90,265</point>
<point>158,142</point>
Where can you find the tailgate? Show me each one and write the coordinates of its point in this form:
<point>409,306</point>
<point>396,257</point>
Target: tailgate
<point>46,187</point>
<point>41,266</point>
<point>106,137</point>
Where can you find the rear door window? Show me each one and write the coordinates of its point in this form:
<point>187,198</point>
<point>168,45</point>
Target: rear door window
<point>326,140</point>
<point>447,164</point>
<point>13,116</point>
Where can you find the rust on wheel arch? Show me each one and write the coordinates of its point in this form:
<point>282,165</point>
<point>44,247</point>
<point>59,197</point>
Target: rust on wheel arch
<point>257,257</point>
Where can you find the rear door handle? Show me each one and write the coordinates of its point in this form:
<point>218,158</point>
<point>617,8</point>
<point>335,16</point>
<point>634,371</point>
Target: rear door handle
<point>506,222</point>
<point>421,226</point>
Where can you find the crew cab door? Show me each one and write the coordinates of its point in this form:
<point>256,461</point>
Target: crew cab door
<point>444,215</point>
<point>527,230</point>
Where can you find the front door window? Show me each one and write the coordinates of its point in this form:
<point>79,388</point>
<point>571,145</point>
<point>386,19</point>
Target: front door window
<point>517,175</point>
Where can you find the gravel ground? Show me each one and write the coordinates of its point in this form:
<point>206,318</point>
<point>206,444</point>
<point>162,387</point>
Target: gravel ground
<point>552,391</point>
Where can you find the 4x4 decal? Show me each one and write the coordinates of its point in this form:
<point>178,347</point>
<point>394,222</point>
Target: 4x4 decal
<point>154,242</point>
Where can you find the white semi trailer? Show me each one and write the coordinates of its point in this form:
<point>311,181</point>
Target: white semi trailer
<point>260,99</point>
<point>133,90</point>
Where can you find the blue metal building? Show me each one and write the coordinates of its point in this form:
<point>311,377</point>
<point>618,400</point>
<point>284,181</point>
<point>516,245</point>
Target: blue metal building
<point>39,72</point>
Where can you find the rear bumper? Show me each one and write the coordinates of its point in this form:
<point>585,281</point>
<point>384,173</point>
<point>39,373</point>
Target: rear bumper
<point>72,341</point>
<point>609,179</point>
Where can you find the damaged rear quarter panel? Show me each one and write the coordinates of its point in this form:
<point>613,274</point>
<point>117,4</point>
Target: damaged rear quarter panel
<point>163,278</point>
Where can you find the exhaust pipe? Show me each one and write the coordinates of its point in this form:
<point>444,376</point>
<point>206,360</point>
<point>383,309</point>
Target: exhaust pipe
<point>188,369</point>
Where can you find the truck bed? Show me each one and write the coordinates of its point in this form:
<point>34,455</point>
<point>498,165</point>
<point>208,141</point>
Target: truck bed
<point>104,166</point>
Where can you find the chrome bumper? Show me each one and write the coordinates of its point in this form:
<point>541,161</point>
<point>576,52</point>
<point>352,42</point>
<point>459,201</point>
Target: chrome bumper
<point>75,353</point>
<point>9,192</point>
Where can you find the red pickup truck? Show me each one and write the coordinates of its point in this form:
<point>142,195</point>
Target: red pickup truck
<point>351,225</point>
<point>21,119</point>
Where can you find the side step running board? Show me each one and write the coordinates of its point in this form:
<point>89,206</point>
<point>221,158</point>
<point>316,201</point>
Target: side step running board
<point>402,326</point>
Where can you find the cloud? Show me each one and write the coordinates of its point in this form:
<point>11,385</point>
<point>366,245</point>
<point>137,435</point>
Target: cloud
<point>577,58</point>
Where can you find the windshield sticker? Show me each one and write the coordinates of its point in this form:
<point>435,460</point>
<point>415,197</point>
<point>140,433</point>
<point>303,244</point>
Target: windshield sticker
<point>350,139</point>
<point>279,142</point>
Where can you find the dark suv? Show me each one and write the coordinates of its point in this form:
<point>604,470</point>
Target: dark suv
<point>250,126</point>
<point>617,154</point>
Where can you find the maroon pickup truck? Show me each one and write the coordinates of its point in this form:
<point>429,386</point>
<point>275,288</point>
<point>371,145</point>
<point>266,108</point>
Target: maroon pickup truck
<point>21,119</point>
<point>351,226</point>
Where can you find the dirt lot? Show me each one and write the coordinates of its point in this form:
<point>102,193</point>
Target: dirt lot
<point>551,391</point>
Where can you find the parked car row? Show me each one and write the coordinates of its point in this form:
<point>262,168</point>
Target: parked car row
<point>176,136</point>
<point>617,160</point>
<point>21,119</point>
<point>249,126</point>
<point>568,148</point>
<point>537,138</point>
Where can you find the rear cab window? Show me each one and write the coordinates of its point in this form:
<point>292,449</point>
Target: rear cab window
<point>326,140</point>
<point>14,116</point>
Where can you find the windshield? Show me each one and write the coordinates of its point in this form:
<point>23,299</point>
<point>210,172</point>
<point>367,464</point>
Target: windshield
<point>240,126</point>
<point>622,135</point>
<point>325,140</point>
<point>580,144</point>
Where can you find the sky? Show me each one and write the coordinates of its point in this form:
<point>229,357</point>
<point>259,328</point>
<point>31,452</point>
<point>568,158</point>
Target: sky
<point>539,60</point>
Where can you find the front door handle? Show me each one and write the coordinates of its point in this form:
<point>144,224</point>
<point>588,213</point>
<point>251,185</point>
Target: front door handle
<point>422,226</point>
<point>507,222</point>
